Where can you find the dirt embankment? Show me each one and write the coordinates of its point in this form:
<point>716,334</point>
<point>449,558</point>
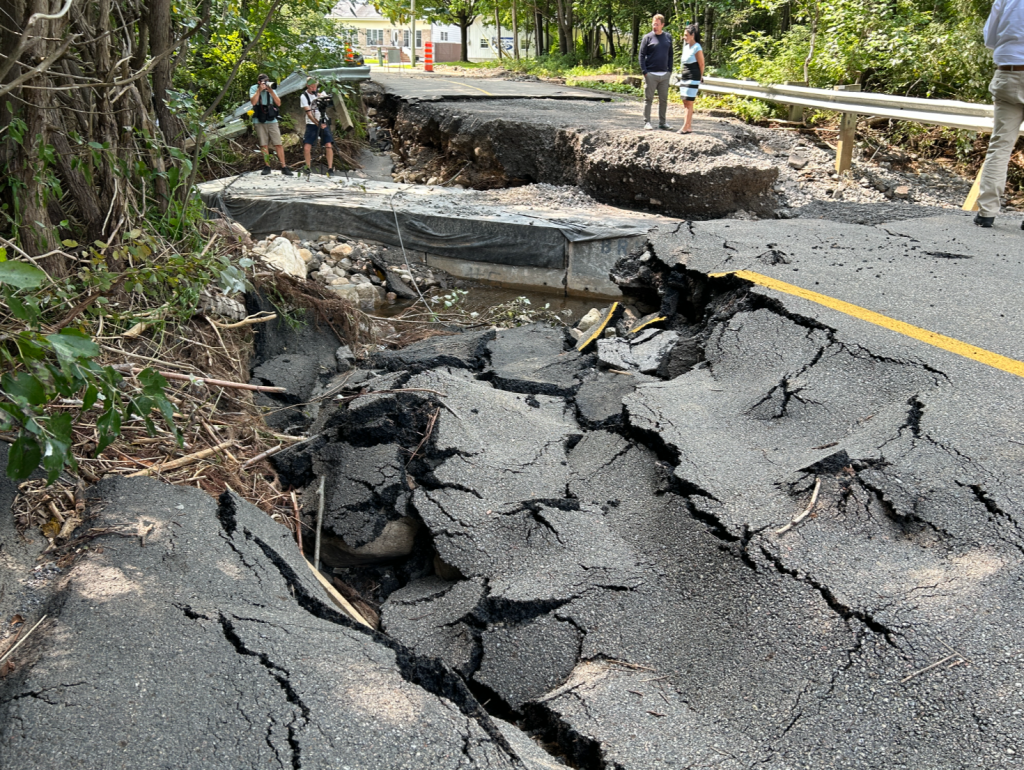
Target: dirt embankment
<point>507,142</point>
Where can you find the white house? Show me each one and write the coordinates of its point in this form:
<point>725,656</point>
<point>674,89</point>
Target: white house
<point>371,31</point>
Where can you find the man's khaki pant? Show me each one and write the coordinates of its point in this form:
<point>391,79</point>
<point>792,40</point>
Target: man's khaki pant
<point>659,84</point>
<point>1007,90</point>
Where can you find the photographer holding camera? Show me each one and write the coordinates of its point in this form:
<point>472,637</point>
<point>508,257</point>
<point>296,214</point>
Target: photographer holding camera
<point>317,123</point>
<point>266,107</point>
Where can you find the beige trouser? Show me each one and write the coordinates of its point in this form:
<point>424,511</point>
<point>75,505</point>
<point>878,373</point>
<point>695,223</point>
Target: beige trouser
<point>1007,90</point>
<point>656,84</point>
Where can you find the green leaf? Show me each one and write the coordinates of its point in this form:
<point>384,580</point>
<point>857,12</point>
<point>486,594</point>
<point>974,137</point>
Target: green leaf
<point>153,383</point>
<point>89,398</point>
<point>21,275</point>
<point>57,448</point>
<point>23,458</point>
<point>67,243</point>
<point>70,344</point>
<point>28,347</point>
<point>109,425</point>
<point>24,387</point>
<point>19,309</point>
<point>60,426</point>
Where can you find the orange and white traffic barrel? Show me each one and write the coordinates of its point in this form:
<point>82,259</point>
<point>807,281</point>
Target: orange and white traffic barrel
<point>428,57</point>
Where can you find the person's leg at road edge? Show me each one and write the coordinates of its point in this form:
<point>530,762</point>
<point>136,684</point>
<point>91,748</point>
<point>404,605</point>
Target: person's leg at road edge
<point>663,85</point>
<point>688,90</point>
<point>650,89</point>
<point>313,133</point>
<point>1007,90</point>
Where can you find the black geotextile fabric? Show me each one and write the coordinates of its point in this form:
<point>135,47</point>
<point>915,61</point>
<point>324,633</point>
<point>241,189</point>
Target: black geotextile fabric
<point>511,239</point>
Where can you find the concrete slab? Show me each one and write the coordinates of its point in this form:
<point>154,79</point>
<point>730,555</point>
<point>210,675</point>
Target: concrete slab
<point>515,246</point>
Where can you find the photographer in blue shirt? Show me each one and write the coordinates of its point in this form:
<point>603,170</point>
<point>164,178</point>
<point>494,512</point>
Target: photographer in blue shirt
<point>266,106</point>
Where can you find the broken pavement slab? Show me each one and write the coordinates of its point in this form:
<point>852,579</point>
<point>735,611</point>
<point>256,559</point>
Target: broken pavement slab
<point>158,638</point>
<point>536,359</point>
<point>595,145</point>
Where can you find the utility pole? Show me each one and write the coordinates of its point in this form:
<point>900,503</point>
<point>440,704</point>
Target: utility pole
<point>412,42</point>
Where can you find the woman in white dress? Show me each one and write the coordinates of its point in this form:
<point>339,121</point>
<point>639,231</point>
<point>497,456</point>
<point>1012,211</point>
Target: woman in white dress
<point>691,73</point>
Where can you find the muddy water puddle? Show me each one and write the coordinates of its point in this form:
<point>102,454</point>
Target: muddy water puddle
<point>480,299</point>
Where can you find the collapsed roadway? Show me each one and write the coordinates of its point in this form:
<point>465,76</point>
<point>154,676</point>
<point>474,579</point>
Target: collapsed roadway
<point>779,527</point>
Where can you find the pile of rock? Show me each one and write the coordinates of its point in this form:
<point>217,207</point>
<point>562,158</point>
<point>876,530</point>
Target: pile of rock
<point>353,270</point>
<point>626,342</point>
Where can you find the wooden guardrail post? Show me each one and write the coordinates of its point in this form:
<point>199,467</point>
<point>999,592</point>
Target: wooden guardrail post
<point>847,134</point>
<point>796,112</point>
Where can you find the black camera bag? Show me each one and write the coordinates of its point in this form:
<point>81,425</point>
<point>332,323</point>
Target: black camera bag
<point>264,113</point>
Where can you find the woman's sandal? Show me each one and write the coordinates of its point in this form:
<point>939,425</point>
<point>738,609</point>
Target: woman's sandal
<point>680,131</point>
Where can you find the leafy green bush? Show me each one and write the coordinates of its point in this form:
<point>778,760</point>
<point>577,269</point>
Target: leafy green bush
<point>894,47</point>
<point>44,372</point>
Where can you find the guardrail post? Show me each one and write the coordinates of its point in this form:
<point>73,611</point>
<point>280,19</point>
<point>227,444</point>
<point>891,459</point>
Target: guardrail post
<point>796,112</point>
<point>847,134</point>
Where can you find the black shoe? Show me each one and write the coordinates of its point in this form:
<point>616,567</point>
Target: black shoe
<point>328,173</point>
<point>265,171</point>
<point>287,171</point>
<point>981,221</point>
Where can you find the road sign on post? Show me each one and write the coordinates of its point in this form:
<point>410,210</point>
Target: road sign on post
<point>847,134</point>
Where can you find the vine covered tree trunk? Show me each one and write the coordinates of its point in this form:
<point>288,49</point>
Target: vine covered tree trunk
<point>81,144</point>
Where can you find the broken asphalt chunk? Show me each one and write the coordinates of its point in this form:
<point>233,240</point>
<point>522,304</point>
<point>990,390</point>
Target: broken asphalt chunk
<point>594,332</point>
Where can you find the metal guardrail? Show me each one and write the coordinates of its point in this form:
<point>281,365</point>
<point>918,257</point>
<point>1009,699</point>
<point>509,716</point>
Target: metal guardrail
<point>297,81</point>
<point>234,125</point>
<point>935,112</point>
<point>938,112</point>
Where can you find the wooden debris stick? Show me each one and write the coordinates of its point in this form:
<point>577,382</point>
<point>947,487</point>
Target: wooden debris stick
<point>263,455</point>
<point>181,462</point>
<point>800,517</point>
<point>258,318</point>
<point>205,380</point>
<point>21,641</point>
<point>340,601</point>
<point>298,523</point>
<point>920,671</point>
<point>319,523</point>
<point>426,435</point>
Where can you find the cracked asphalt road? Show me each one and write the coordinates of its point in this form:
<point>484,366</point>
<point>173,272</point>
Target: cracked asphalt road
<point>879,631</point>
<point>805,549</point>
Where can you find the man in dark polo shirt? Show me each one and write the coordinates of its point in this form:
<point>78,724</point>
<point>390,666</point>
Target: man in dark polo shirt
<point>656,67</point>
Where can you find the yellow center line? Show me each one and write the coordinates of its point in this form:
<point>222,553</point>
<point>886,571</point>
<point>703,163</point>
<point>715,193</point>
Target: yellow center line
<point>467,85</point>
<point>987,357</point>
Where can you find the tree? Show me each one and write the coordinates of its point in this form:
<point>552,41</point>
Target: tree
<point>461,12</point>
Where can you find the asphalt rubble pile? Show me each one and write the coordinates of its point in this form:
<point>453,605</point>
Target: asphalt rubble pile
<point>565,547</point>
<point>578,524</point>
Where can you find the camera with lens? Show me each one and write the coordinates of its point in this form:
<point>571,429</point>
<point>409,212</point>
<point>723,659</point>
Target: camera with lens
<point>270,83</point>
<point>322,103</point>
